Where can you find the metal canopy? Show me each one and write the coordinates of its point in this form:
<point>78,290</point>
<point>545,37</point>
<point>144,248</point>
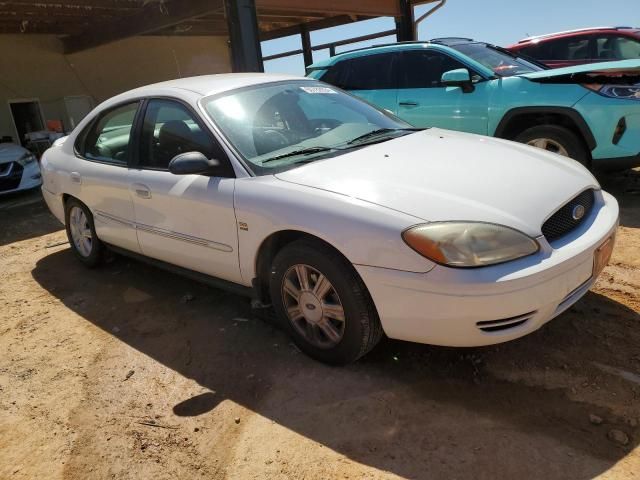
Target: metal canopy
<point>85,24</point>
<point>101,21</point>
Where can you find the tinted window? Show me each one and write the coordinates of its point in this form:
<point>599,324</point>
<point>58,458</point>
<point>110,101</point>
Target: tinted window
<point>572,48</point>
<point>371,72</point>
<point>108,138</point>
<point>424,68</point>
<point>170,129</point>
<point>501,62</point>
<point>617,48</point>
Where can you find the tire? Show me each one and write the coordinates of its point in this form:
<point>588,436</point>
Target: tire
<point>93,254</point>
<point>360,329</point>
<point>569,143</point>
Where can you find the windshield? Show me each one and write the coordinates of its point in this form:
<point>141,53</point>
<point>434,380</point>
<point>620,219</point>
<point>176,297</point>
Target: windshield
<point>277,126</point>
<point>502,63</point>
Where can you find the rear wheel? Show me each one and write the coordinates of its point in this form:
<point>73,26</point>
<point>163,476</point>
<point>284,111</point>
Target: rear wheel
<point>556,139</point>
<point>323,304</point>
<point>81,233</point>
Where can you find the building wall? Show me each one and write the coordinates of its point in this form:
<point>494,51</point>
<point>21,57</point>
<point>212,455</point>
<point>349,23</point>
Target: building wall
<point>34,66</point>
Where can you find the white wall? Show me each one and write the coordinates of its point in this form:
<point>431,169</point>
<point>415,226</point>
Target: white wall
<point>33,66</point>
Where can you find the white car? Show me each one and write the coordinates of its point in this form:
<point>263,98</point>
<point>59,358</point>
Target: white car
<point>19,169</point>
<point>347,220</point>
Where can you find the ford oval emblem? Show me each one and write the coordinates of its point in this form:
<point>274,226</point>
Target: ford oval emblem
<point>578,212</point>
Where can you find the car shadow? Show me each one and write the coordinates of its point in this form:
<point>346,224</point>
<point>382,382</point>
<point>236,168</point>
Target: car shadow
<point>25,215</point>
<point>625,186</point>
<point>404,408</point>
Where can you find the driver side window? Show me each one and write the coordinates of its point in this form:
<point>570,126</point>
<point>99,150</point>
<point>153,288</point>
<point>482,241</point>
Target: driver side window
<point>170,129</point>
<point>424,68</point>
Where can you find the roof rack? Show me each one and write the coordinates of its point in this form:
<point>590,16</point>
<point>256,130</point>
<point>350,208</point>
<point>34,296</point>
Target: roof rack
<point>577,30</point>
<point>450,40</point>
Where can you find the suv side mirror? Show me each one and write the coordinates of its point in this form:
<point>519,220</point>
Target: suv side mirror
<point>192,163</point>
<point>458,78</point>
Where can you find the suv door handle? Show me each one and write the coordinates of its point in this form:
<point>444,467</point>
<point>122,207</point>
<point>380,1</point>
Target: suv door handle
<point>141,190</point>
<point>409,103</point>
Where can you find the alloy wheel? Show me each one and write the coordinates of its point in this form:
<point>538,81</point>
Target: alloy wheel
<point>549,145</point>
<point>80,231</point>
<point>313,306</point>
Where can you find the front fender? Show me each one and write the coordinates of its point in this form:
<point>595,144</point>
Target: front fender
<point>365,233</point>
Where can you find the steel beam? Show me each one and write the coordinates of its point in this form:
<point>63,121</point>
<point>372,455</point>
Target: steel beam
<point>404,22</point>
<point>244,36</point>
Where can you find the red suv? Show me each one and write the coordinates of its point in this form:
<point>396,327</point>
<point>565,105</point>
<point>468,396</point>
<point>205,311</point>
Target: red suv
<point>575,47</point>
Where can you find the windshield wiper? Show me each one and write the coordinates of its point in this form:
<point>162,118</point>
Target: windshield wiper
<point>381,131</point>
<point>302,151</point>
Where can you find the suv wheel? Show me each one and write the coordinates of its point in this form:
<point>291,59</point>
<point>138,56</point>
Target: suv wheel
<point>323,303</point>
<point>556,139</point>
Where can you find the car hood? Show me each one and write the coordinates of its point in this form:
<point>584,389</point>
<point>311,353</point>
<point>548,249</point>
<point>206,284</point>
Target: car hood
<point>10,152</point>
<point>438,175</point>
<point>623,71</point>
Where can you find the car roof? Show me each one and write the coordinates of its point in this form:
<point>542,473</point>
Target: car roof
<point>436,43</point>
<point>206,85</point>
<point>547,36</point>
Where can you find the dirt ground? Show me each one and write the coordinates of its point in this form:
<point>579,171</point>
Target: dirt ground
<point>129,372</point>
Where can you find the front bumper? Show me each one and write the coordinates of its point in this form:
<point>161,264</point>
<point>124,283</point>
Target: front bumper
<point>18,178</point>
<point>602,115</point>
<point>616,164</point>
<point>475,307</point>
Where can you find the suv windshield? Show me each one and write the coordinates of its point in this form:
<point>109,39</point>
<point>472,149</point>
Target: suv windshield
<point>502,63</point>
<point>277,126</point>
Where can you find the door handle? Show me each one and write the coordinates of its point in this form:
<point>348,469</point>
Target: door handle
<point>141,190</point>
<point>75,177</point>
<point>409,103</point>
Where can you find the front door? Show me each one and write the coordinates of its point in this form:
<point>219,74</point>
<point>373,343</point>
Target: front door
<point>424,102</point>
<point>185,220</point>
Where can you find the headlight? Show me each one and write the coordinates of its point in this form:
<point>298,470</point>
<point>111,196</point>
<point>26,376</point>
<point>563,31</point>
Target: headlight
<point>623,92</point>
<point>26,158</point>
<point>469,244</point>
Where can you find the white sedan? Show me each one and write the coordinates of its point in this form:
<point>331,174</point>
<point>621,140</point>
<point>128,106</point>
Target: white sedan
<point>347,220</point>
<point>19,169</point>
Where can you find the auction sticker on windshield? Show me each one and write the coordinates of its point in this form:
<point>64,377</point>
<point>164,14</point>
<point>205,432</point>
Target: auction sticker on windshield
<point>318,90</point>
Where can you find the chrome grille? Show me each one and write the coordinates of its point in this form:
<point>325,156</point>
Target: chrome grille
<point>563,221</point>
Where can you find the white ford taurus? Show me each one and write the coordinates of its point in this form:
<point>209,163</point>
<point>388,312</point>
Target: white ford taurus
<point>346,219</point>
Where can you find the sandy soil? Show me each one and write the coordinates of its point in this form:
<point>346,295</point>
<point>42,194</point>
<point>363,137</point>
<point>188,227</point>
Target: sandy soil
<point>128,372</point>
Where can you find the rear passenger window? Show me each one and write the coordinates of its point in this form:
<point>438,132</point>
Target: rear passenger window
<point>107,139</point>
<point>371,72</point>
<point>424,68</point>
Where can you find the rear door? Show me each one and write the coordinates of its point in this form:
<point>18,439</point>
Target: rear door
<point>185,220</point>
<point>424,102</point>
<point>370,77</point>
<point>99,176</point>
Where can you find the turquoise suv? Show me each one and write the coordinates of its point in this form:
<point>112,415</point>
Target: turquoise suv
<point>590,112</point>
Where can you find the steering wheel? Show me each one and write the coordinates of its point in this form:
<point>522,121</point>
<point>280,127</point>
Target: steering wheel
<point>269,140</point>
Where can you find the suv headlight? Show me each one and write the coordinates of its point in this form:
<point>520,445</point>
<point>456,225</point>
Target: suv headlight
<point>624,92</point>
<point>469,244</point>
<point>26,158</point>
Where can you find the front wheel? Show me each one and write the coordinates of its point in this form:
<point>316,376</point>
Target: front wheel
<point>81,233</point>
<point>323,303</point>
<point>556,139</point>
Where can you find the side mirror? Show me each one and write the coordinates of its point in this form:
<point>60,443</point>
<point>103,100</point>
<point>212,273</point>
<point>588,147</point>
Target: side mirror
<point>192,163</point>
<point>458,78</point>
